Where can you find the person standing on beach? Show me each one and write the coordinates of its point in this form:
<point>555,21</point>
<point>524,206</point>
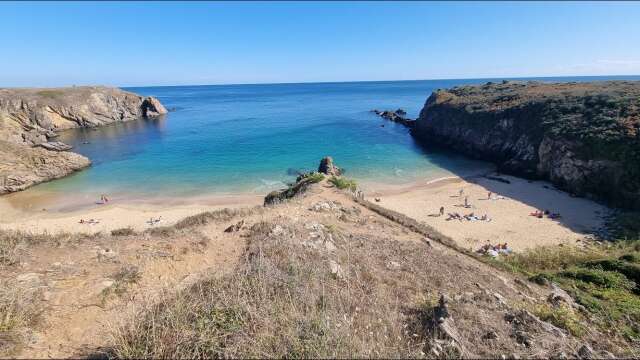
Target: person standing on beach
<point>466,201</point>
<point>441,210</point>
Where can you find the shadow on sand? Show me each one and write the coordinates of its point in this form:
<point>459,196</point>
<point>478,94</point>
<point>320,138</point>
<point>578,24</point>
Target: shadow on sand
<point>574,212</point>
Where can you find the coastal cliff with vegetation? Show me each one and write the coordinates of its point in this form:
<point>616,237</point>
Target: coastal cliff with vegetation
<point>583,137</point>
<point>30,118</point>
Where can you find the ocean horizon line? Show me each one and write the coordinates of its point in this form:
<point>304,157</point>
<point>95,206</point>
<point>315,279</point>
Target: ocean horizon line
<point>383,81</point>
<point>621,77</point>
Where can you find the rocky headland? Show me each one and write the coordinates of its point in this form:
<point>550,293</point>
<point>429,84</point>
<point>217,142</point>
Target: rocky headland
<point>583,137</point>
<point>30,118</point>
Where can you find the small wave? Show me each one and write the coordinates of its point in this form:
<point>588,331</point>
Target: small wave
<point>269,185</point>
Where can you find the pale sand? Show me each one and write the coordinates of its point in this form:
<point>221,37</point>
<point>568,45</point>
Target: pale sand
<point>24,212</point>
<point>511,222</point>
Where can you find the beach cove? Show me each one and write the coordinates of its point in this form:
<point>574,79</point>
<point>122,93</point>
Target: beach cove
<point>228,146</point>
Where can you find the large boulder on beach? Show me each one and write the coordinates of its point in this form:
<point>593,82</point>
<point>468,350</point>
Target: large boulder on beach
<point>327,167</point>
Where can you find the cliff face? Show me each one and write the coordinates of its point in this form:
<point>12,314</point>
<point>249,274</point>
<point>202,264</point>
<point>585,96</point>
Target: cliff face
<point>29,119</point>
<point>583,137</point>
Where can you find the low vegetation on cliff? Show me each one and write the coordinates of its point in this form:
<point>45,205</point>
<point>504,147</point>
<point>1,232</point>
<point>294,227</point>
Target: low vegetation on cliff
<point>603,279</point>
<point>582,136</point>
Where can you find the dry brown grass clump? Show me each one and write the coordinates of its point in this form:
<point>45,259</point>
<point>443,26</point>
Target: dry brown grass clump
<point>13,243</point>
<point>221,215</point>
<point>19,311</point>
<point>128,231</point>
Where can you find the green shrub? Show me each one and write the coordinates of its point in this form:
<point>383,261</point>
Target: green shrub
<point>629,270</point>
<point>313,177</point>
<point>52,94</point>
<point>343,183</point>
<point>561,316</point>
<point>632,257</point>
<point>599,277</point>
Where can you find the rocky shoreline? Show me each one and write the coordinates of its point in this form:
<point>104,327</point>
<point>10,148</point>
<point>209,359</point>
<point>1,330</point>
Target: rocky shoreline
<point>583,137</point>
<point>30,118</point>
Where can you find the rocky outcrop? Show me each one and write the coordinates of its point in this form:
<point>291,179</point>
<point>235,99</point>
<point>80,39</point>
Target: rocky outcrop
<point>327,167</point>
<point>583,137</point>
<point>398,116</point>
<point>29,118</point>
<point>23,166</point>
<point>152,107</point>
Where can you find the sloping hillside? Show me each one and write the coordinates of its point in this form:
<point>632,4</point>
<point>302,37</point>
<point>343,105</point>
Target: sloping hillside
<point>317,276</point>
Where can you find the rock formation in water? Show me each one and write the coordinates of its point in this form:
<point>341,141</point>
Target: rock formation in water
<point>398,116</point>
<point>583,137</point>
<point>29,119</point>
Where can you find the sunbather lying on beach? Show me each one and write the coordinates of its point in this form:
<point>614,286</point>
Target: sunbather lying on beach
<point>537,214</point>
<point>89,222</point>
<point>153,221</point>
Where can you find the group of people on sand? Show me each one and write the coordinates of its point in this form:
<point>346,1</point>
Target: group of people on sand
<point>89,222</point>
<point>468,217</point>
<point>153,221</point>
<point>103,199</point>
<point>540,214</point>
<point>495,250</point>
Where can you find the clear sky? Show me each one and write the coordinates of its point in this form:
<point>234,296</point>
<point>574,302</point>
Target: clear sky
<point>171,43</point>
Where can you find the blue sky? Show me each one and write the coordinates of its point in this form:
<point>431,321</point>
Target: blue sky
<point>170,43</point>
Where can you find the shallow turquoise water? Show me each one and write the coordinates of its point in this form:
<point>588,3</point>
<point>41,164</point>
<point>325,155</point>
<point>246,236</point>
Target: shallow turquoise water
<point>252,138</point>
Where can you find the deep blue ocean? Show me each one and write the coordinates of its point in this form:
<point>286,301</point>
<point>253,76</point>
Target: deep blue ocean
<point>254,138</point>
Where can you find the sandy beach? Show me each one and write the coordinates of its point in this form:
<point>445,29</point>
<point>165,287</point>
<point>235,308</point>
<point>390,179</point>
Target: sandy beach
<point>28,211</point>
<point>508,210</point>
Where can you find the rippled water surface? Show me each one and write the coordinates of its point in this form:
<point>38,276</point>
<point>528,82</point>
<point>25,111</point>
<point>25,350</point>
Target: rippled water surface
<point>253,138</point>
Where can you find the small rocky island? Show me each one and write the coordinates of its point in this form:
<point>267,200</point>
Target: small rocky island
<point>583,137</point>
<point>29,119</point>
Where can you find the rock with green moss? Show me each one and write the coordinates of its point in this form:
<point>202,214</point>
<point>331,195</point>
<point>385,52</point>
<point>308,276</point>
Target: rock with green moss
<point>583,137</point>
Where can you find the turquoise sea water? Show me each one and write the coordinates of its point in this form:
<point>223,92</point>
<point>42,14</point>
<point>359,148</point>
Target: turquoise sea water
<point>253,138</point>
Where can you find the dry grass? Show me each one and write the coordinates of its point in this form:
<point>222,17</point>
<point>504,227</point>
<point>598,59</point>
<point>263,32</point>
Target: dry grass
<point>128,231</point>
<point>292,296</point>
<point>215,216</point>
<point>14,243</point>
<point>19,310</point>
<point>284,301</point>
<point>123,278</point>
